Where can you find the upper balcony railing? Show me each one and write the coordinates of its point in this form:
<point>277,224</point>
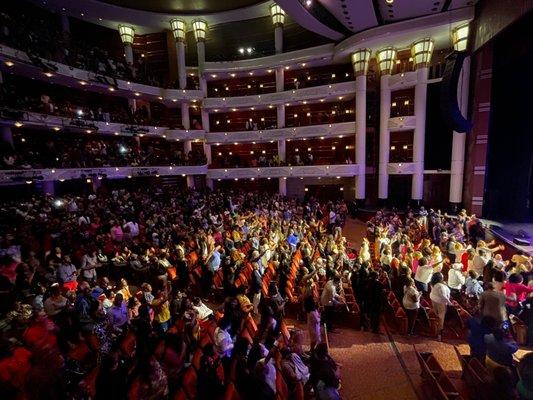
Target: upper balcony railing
<point>337,171</point>
<point>40,68</point>
<point>309,94</point>
<point>30,176</point>
<point>327,130</point>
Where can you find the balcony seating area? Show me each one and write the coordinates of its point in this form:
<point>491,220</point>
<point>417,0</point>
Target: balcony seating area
<point>44,149</point>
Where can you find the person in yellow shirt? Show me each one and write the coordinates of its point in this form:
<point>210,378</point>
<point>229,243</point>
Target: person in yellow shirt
<point>161,308</point>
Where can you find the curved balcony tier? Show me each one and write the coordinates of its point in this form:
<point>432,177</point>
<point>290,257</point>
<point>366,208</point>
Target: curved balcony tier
<point>268,99</point>
<point>340,170</point>
<point>327,130</point>
<point>40,68</point>
<point>36,175</point>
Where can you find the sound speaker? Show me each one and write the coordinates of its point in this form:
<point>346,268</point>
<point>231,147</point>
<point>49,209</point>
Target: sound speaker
<point>449,105</point>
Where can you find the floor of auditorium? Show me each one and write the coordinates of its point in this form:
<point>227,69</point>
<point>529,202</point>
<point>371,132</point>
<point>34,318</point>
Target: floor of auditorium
<point>383,367</point>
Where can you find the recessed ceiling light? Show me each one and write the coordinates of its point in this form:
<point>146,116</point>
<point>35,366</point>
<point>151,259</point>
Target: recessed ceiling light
<point>232,75</point>
<point>83,83</point>
<point>241,50</point>
<point>269,71</point>
<point>49,74</point>
<point>111,89</point>
<point>213,75</point>
<point>389,1</point>
<point>137,94</point>
<point>10,63</point>
<point>99,19</point>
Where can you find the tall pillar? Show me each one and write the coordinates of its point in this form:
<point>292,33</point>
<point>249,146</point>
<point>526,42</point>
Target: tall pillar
<point>459,139</point>
<point>280,79</point>
<point>200,49</point>
<point>205,125</point>
<point>282,150</point>
<point>203,85</point>
<point>282,186</point>
<point>187,146</point>
<point>178,30</point>
<point>278,38</point>
<point>185,117</point>
<point>182,69</point>
<point>419,137</point>
<point>127,35</point>
<point>280,117</point>
<point>360,136</point>
<point>190,181</point>
<point>207,152</point>
<point>360,61</point>
<point>421,52</point>
<point>384,137</point>
<point>200,28</point>
<point>278,19</point>
<point>128,54</point>
<point>6,135</point>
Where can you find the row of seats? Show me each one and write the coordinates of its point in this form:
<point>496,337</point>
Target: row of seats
<point>435,378</point>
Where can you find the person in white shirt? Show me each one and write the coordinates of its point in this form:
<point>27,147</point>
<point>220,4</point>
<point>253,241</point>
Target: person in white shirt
<point>479,261</point>
<point>411,303</point>
<point>440,298</point>
<point>423,275</point>
<point>223,342</point>
<point>456,280</point>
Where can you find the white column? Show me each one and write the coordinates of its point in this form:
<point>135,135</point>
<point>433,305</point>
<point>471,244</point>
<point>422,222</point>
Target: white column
<point>182,70</point>
<point>207,152</point>
<point>187,146</point>
<point>185,117</point>
<point>384,137</point>
<point>282,150</point>
<point>459,139</point>
<point>203,85</point>
<point>280,79</point>
<point>205,125</point>
<point>278,38</point>
<point>200,48</point>
<point>128,52</point>
<point>205,120</point>
<point>419,138</point>
<point>280,117</point>
<point>6,135</point>
<point>283,186</point>
<point>190,181</point>
<point>360,135</point>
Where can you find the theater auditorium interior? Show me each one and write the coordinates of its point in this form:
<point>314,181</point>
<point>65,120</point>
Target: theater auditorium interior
<point>266,200</point>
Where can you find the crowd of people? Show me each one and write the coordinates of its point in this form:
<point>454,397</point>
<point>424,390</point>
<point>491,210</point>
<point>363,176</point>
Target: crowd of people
<point>40,36</point>
<point>445,261</point>
<point>70,150</point>
<point>117,292</point>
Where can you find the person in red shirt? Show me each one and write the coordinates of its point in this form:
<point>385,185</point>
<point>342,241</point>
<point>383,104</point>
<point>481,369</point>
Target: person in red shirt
<point>515,292</point>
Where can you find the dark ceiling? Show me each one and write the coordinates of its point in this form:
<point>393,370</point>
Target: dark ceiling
<point>184,6</point>
<point>224,40</point>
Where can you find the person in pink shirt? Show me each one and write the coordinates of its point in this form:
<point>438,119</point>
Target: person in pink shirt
<point>515,292</point>
<point>116,232</point>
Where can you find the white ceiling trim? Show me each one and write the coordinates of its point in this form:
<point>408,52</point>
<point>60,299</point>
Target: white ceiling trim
<point>402,34</point>
<point>302,16</point>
